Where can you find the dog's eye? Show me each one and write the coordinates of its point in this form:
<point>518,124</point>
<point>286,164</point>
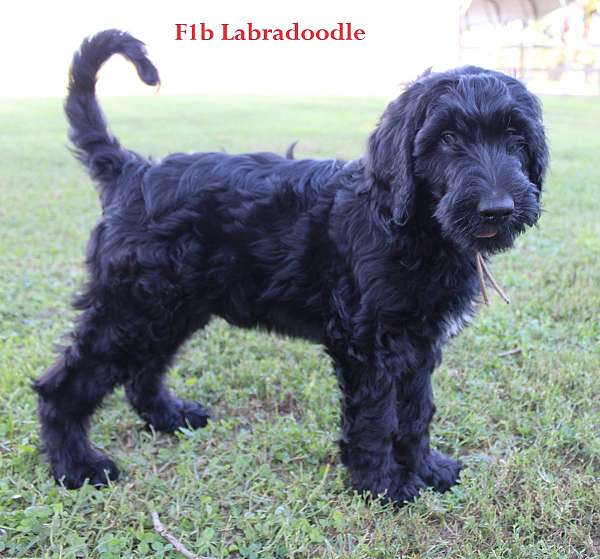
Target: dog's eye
<point>448,138</point>
<point>517,146</point>
<point>516,142</point>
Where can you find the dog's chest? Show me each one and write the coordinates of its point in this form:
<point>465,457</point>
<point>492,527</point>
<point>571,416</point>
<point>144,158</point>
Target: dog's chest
<point>455,307</point>
<point>454,322</point>
<point>448,308</point>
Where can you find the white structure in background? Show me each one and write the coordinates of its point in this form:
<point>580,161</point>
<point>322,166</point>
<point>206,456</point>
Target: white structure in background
<point>477,12</point>
<point>554,45</point>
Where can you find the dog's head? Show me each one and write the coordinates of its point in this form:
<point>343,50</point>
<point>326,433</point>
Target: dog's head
<point>466,147</point>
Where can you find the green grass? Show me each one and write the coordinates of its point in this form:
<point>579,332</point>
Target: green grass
<point>262,480</point>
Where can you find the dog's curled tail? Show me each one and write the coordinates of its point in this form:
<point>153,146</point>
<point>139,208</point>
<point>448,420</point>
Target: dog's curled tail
<point>95,147</point>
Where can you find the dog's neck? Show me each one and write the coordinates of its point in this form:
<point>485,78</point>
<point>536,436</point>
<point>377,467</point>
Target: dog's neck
<point>430,240</point>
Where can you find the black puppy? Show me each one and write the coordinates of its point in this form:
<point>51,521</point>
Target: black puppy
<point>374,258</point>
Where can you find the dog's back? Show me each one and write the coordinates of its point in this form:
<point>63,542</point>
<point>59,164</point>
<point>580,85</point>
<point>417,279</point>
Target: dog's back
<point>267,180</point>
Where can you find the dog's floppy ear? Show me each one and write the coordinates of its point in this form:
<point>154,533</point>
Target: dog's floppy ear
<point>538,148</point>
<point>389,157</point>
<point>531,110</point>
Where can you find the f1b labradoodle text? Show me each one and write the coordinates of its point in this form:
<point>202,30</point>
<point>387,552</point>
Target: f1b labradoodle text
<point>341,31</point>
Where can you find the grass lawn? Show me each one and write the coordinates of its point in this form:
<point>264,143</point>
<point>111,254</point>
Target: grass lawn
<point>262,480</point>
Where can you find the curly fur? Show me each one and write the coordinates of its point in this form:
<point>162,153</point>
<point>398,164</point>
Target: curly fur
<point>374,258</point>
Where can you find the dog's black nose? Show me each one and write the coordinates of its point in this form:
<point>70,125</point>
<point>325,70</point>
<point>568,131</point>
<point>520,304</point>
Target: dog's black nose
<point>496,207</point>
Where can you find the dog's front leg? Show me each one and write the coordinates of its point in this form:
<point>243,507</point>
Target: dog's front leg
<point>415,410</point>
<point>370,425</point>
<point>387,406</point>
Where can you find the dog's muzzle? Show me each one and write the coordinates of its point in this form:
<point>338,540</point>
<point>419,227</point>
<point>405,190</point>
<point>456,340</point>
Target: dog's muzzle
<point>493,211</point>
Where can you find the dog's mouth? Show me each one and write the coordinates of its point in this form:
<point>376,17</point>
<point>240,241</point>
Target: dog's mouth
<point>487,233</point>
<point>489,238</point>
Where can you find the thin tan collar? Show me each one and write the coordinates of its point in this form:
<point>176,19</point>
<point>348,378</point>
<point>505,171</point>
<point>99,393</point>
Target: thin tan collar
<point>484,273</point>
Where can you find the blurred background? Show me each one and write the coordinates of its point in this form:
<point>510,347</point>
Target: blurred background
<point>554,45</point>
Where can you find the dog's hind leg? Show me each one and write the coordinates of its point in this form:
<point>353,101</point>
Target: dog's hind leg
<point>114,343</point>
<point>156,404</point>
<point>69,393</point>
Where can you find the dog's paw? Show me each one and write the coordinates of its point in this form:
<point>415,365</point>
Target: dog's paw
<point>399,487</point>
<point>194,415</point>
<point>180,413</point>
<point>95,467</point>
<point>405,488</point>
<point>440,471</point>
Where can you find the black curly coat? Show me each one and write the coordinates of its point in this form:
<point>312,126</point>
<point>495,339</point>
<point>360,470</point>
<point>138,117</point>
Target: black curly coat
<point>374,258</point>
